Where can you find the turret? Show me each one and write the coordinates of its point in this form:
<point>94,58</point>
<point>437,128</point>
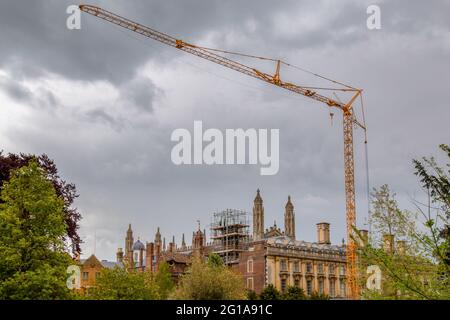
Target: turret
<point>289,219</point>
<point>258,217</point>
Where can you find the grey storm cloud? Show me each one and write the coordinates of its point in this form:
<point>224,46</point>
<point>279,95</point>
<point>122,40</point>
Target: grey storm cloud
<point>16,90</point>
<point>103,102</point>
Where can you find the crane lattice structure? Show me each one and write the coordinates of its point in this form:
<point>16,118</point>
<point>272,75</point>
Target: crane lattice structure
<point>349,118</point>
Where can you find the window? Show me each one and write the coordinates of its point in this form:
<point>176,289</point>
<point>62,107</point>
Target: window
<point>331,269</point>
<point>97,274</point>
<point>321,291</point>
<point>250,265</point>
<point>136,257</point>
<point>283,285</point>
<point>342,270</point>
<point>309,267</point>
<point>343,289</point>
<point>85,275</point>
<point>332,288</point>
<point>296,266</point>
<point>309,287</point>
<point>250,283</point>
<point>320,268</point>
<point>283,265</point>
<point>297,283</point>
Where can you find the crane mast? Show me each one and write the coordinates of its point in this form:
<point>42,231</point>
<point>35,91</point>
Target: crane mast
<point>349,119</point>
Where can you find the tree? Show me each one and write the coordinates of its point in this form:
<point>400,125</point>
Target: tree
<point>67,191</point>
<point>270,293</point>
<point>251,295</point>
<point>319,296</point>
<point>435,180</point>
<point>163,280</point>
<point>209,280</point>
<point>417,266</point>
<point>119,284</point>
<point>215,261</point>
<point>33,259</point>
<point>294,293</point>
<point>386,218</point>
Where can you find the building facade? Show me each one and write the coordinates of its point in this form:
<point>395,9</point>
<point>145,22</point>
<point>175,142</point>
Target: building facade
<point>276,257</point>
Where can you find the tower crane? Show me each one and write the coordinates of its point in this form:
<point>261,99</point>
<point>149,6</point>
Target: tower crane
<point>349,118</point>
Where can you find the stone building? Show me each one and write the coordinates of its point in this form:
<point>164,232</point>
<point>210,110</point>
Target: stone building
<point>148,257</point>
<point>90,269</point>
<point>268,256</point>
<point>276,257</point>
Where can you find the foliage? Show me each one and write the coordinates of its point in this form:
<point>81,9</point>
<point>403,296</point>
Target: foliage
<point>214,260</point>
<point>291,293</point>
<point>33,260</point>
<point>270,293</point>
<point>163,281</point>
<point>294,293</point>
<point>119,284</point>
<point>210,281</point>
<point>436,181</point>
<point>251,295</point>
<point>67,191</point>
<point>387,218</point>
<point>418,266</point>
<point>319,296</point>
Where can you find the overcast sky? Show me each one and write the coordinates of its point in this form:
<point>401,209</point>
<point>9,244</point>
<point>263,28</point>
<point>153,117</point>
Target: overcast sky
<point>103,102</point>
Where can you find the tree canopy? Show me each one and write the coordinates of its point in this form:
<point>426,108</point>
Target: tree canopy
<point>416,264</point>
<point>210,280</point>
<point>33,259</point>
<point>67,191</point>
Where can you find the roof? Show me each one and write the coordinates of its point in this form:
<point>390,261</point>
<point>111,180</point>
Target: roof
<point>285,241</point>
<point>175,256</point>
<point>93,261</point>
<point>111,264</point>
<point>138,245</point>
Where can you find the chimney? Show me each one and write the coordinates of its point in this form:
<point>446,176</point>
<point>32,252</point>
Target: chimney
<point>323,233</point>
<point>150,248</point>
<point>364,237</point>
<point>119,255</point>
<point>401,247</point>
<point>388,243</point>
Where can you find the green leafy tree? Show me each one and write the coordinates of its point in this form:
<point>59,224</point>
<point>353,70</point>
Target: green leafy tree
<point>33,260</point>
<point>319,296</point>
<point>214,260</point>
<point>210,280</point>
<point>270,293</point>
<point>67,191</point>
<point>294,293</point>
<point>119,284</point>
<point>436,181</point>
<point>251,295</point>
<point>163,281</point>
<point>387,218</point>
<point>417,266</point>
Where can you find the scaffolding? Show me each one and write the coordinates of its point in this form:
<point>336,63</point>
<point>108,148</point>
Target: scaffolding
<point>230,234</point>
